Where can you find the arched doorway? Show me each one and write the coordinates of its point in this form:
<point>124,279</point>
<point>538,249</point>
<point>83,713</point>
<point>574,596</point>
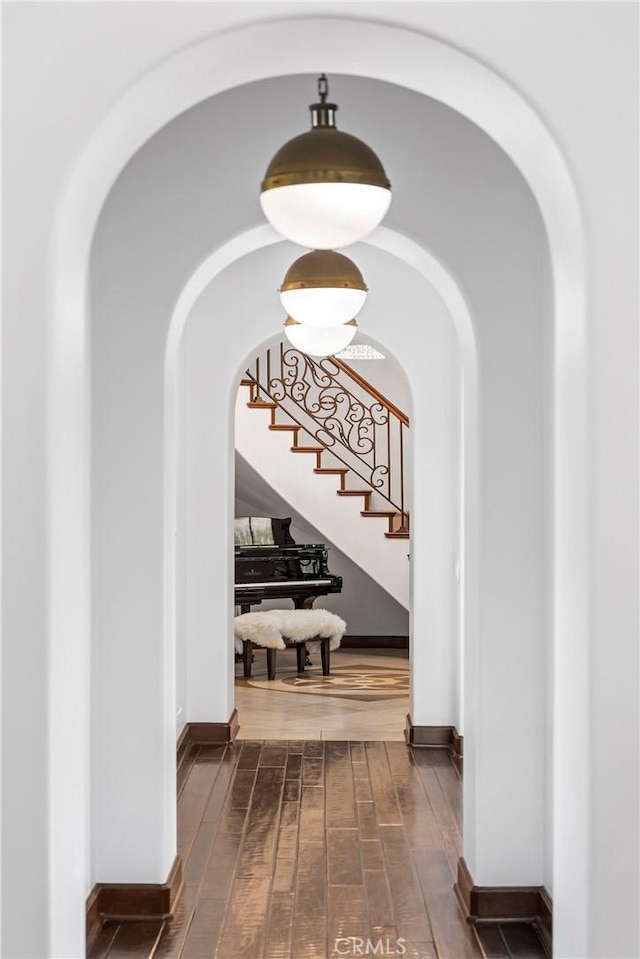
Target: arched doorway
<point>367,573</point>
<point>251,261</point>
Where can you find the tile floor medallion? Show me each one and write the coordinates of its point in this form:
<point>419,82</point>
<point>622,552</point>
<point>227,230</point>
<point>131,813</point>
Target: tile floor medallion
<point>366,696</point>
<point>365,683</point>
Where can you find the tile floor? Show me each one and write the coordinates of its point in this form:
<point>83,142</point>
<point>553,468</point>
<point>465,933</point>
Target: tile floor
<point>356,705</point>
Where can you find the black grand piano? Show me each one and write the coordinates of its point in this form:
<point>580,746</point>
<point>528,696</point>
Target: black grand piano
<point>269,564</point>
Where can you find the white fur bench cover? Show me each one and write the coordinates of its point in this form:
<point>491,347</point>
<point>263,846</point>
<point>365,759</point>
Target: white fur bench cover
<point>271,627</point>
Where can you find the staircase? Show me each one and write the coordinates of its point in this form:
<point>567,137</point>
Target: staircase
<point>305,459</point>
<point>331,413</point>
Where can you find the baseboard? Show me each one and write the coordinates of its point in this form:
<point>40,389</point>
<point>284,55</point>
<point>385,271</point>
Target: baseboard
<point>544,922</point>
<point>505,904</point>
<point>213,734</point>
<point>203,734</point>
<point>182,747</point>
<point>457,744</point>
<point>94,919</point>
<point>374,642</point>
<point>438,737</point>
<point>130,902</point>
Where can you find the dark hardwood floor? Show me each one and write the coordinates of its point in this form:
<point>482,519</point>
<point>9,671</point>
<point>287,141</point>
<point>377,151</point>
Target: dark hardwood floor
<point>310,850</point>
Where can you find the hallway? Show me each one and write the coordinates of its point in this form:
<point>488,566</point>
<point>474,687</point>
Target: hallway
<point>309,849</point>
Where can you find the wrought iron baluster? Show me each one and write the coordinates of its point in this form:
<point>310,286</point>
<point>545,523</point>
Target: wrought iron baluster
<point>314,395</point>
<point>402,519</point>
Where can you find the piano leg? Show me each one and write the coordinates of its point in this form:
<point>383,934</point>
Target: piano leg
<point>301,653</point>
<point>303,602</point>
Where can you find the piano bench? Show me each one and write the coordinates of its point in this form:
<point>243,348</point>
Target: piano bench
<point>301,654</point>
<point>281,628</point>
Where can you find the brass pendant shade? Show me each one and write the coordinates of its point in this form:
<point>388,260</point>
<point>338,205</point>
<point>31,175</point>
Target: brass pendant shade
<point>323,288</point>
<point>325,155</point>
<point>325,189</point>
<point>323,268</point>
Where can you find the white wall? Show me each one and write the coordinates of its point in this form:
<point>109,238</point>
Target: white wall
<point>182,556</point>
<point>66,66</point>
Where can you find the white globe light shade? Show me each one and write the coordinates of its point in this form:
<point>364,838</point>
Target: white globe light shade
<point>323,307</point>
<point>319,342</point>
<point>325,215</point>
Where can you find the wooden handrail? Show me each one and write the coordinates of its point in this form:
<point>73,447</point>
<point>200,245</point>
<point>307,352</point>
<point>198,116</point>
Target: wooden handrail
<point>371,390</point>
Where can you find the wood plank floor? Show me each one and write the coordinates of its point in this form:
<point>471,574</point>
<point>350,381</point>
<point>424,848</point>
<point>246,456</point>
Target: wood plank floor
<point>315,849</point>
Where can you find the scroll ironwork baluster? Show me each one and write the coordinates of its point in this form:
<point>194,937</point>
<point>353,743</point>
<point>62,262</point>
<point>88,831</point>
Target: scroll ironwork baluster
<point>320,397</point>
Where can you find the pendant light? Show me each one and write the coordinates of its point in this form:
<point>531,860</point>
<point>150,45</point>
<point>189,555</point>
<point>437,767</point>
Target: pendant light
<point>323,288</point>
<point>319,342</point>
<point>324,188</point>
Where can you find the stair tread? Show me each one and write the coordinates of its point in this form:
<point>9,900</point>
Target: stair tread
<point>354,492</point>
<point>283,426</point>
<point>330,469</point>
<point>307,449</point>
<point>397,535</point>
<point>380,512</point>
<point>260,405</point>
<point>247,382</point>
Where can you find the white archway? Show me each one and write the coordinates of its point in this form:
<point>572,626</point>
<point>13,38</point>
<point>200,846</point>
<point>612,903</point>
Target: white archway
<point>427,266</point>
<point>426,66</point>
